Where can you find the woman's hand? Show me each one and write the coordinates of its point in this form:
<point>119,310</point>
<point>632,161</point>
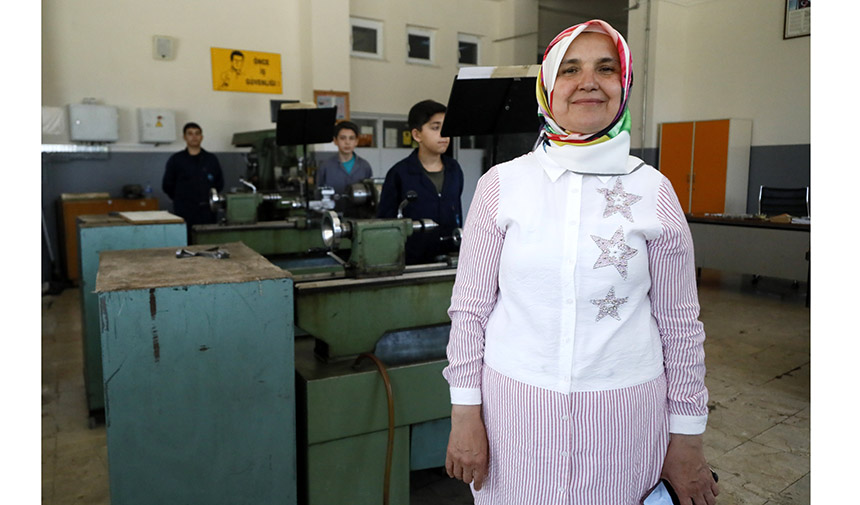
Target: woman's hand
<point>688,472</point>
<point>467,454</point>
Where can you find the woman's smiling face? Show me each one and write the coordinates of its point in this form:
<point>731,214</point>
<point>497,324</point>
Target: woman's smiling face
<point>587,91</point>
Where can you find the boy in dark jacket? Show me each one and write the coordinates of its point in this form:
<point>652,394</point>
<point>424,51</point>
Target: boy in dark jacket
<point>189,176</point>
<point>436,178</point>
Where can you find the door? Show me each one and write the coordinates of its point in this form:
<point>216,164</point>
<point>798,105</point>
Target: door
<point>676,158</point>
<point>710,161</point>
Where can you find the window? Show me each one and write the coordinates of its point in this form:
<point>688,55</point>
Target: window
<point>468,49</point>
<point>366,38</point>
<point>420,45</point>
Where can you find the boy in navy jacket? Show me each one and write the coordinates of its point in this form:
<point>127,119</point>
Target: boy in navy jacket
<point>435,177</point>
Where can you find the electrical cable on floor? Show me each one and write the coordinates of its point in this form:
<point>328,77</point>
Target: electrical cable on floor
<point>390,395</point>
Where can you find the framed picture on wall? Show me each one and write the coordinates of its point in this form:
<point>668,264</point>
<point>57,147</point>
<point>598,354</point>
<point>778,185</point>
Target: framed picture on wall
<point>339,99</point>
<point>796,19</point>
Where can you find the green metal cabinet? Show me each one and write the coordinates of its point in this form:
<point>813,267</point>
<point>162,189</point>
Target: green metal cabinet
<point>343,427</point>
<point>199,379</point>
<point>104,232</point>
<point>343,409</point>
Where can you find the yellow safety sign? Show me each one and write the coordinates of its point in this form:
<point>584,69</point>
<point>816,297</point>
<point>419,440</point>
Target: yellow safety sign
<point>242,70</point>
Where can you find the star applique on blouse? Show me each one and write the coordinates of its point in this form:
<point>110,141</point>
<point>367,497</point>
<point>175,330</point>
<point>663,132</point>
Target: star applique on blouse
<point>608,306</point>
<point>617,200</point>
<point>615,252</point>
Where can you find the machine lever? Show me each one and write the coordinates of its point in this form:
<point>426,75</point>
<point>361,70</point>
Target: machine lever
<point>336,258</point>
<point>411,196</point>
<point>246,183</point>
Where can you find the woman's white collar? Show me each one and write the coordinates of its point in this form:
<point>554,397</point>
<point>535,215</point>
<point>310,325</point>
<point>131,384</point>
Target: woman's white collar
<point>605,159</point>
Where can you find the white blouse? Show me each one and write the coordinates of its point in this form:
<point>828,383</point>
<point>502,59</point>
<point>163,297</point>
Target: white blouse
<point>576,282</point>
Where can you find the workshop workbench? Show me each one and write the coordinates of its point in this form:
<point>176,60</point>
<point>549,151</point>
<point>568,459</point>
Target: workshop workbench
<point>199,377</point>
<point>102,232</point>
<point>751,246</point>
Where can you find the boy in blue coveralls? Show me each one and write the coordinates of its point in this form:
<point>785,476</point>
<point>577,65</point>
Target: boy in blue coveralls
<point>435,177</point>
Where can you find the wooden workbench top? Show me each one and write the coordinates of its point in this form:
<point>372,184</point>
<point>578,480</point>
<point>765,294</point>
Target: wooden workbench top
<point>159,268</point>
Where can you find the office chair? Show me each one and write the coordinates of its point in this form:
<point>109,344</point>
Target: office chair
<point>775,201</point>
<point>791,201</point>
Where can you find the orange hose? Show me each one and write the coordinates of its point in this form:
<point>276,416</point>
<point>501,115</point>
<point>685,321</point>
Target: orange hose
<point>390,394</point>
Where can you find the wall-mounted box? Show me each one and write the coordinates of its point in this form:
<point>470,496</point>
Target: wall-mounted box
<point>93,123</point>
<point>163,47</point>
<point>156,126</point>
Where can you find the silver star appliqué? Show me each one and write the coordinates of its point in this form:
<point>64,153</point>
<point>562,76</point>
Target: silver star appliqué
<point>615,252</point>
<point>609,306</point>
<point>617,200</point>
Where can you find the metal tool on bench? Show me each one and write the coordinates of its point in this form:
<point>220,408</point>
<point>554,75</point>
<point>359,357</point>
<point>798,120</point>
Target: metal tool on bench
<point>215,252</point>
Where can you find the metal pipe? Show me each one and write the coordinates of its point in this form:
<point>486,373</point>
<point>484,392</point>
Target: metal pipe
<point>645,77</point>
<point>511,37</point>
<point>645,61</point>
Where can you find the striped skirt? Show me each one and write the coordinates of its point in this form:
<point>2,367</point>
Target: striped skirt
<point>582,448</point>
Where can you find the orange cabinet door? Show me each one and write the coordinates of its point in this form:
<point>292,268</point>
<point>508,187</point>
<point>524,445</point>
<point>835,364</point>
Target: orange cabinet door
<point>710,161</point>
<point>676,158</point>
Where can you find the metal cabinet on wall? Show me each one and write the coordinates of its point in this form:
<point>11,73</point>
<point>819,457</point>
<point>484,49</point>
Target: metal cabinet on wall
<point>707,163</point>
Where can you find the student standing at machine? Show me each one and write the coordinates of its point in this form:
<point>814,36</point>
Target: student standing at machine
<point>188,177</point>
<point>576,362</point>
<point>347,168</point>
<point>436,179</point>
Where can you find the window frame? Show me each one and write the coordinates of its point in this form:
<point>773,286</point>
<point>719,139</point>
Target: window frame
<point>469,39</point>
<point>371,24</point>
<point>421,32</point>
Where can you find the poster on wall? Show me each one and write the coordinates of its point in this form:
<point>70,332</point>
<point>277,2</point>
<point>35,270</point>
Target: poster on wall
<point>246,71</point>
<point>339,99</point>
<point>796,18</point>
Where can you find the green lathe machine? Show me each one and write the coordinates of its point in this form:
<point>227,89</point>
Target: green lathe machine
<point>361,428</point>
<point>366,324</point>
<point>277,212</point>
<point>274,212</point>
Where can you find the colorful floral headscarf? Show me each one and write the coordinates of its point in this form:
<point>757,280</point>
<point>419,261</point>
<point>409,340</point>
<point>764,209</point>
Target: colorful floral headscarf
<point>546,81</point>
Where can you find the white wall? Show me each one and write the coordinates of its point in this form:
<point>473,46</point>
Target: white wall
<point>392,86</point>
<point>103,49</point>
<point>717,59</point>
<point>709,59</point>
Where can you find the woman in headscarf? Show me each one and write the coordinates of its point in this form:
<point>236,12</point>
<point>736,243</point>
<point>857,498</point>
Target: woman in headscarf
<point>576,363</point>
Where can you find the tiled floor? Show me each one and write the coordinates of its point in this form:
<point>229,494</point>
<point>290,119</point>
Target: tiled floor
<point>758,376</point>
